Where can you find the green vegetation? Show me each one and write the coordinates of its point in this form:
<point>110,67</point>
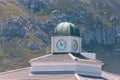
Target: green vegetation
<point>13,56</point>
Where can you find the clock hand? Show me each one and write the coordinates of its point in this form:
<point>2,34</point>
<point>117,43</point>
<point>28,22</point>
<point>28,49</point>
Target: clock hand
<point>74,45</point>
<point>61,44</point>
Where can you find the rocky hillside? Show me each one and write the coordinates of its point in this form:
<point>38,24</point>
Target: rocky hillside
<point>26,27</point>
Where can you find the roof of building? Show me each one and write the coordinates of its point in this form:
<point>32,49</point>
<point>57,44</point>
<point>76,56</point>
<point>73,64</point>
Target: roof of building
<point>66,29</point>
<point>24,74</point>
<point>58,57</point>
<point>65,57</point>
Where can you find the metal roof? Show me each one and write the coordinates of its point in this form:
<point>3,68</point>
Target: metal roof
<point>68,57</point>
<point>66,29</point>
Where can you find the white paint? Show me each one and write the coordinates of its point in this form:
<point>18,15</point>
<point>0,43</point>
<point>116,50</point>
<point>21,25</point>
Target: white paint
<point>88,69</point>
<point>66,38</point>
<point>52,45</point>
<point>89,55</point>
<point>78,77</point>
<point>55,63</point>
<point>89,64</point>
<point>78,40</point>
<point>69,40</point>
<point>73,57</point>
<point>53,67</point>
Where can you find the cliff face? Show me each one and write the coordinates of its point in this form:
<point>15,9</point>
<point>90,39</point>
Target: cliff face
<point>103,36</point>
<point>98,20</point>
<point>27,26</point>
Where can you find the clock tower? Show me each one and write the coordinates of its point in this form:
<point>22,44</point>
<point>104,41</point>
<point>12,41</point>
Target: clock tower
<point>66,39</point>
<point>66,56</point>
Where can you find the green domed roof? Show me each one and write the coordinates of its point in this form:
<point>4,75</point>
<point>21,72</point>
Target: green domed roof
<point>66,29</point>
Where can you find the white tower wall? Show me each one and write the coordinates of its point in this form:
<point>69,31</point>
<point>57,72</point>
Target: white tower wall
<point>69,45</point>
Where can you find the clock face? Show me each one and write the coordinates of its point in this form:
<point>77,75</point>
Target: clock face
<point>61,44</point>
<point>75,45</point>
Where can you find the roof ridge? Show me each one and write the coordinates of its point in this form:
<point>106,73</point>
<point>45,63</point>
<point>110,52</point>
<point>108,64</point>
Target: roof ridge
<point>73,57</point>
<point>14,70</point>
<point>39,57</point>
<point>96,60</point>
<point>78,77</point>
